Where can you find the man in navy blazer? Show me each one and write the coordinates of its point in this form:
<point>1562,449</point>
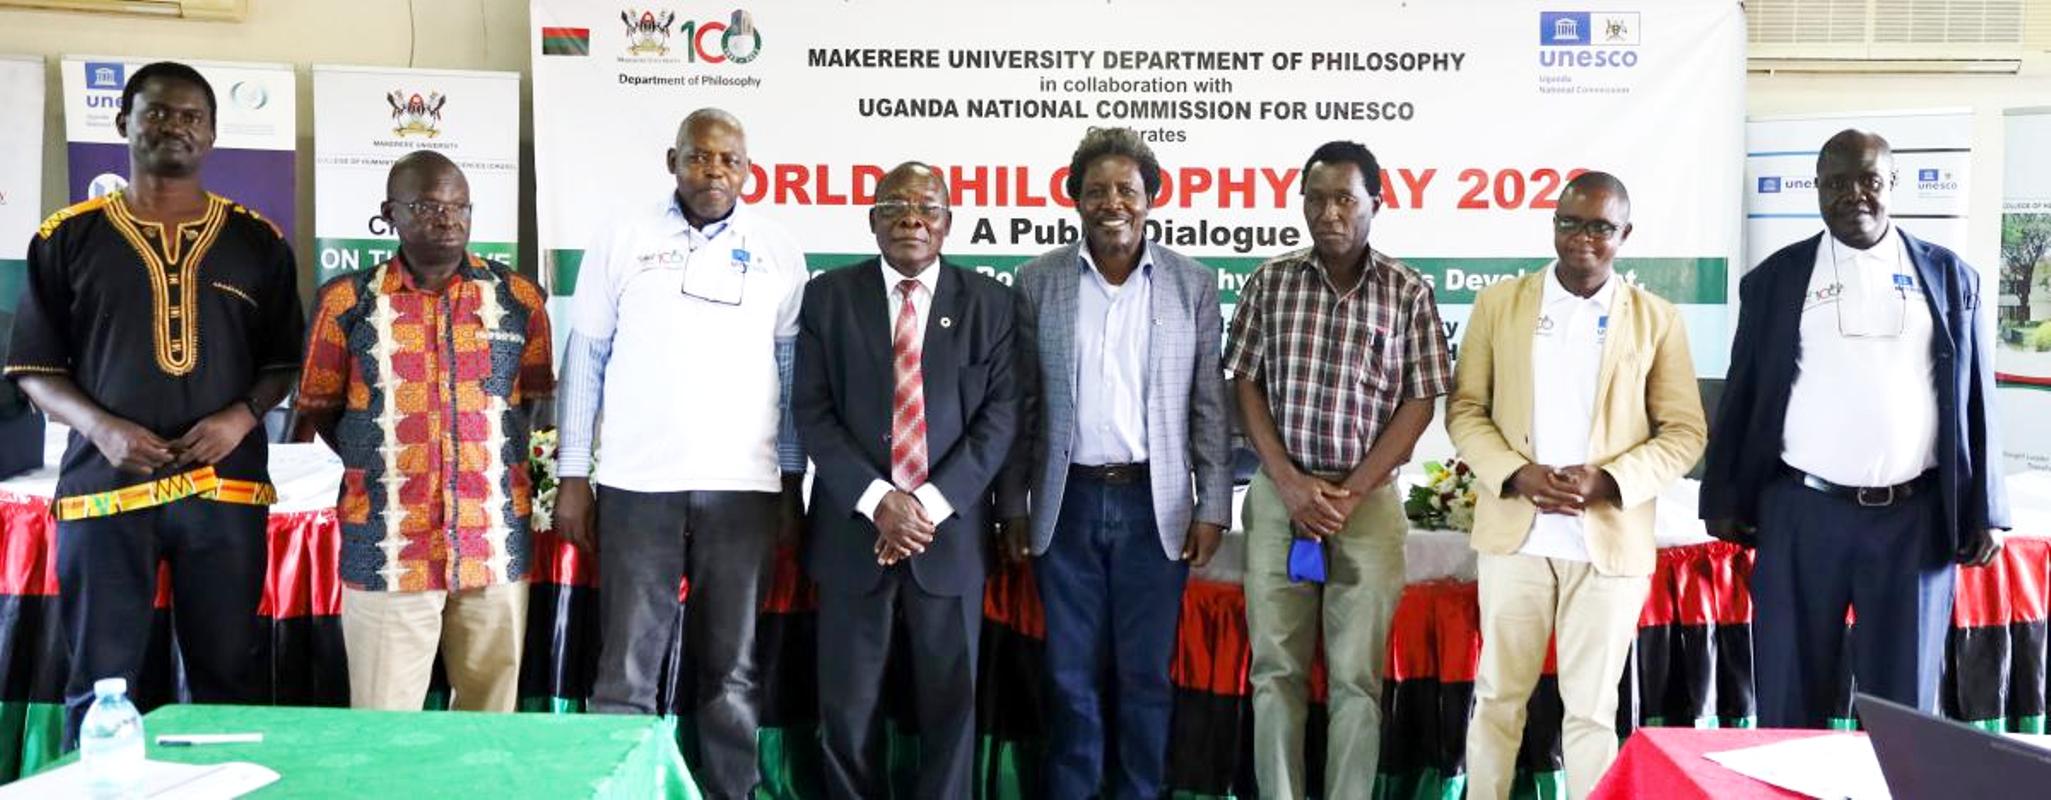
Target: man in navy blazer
<point>907,404</point>
<point>1126,464</point>
<point>1856,447</point>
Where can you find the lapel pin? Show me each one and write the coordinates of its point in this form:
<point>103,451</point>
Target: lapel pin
<point>946,322</point>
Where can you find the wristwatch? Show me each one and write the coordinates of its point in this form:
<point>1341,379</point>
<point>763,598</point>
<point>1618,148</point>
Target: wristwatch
<point>255,411</point>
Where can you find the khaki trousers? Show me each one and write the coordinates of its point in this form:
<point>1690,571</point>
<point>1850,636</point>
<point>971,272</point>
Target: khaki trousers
<point>1592,620</point>
<point>392,638</point>
<point>1364,578</point>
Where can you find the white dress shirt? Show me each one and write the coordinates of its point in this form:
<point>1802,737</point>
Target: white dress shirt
<point>1566,362</point>
<point>1863,410</point>
<point>937,507</point>
<point>660,308</point>
<point>1113,331</point>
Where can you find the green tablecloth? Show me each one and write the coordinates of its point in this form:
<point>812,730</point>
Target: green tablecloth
<point>334,752</point>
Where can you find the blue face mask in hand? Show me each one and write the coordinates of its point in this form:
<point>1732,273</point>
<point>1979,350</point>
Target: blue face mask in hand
<point>1306,560</point>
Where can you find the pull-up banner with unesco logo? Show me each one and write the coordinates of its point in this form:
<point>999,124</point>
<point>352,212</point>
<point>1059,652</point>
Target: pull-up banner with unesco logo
<point>255,131</point>
<point>1479,113</point>
<point>367,118</point>
<point>21,177</point>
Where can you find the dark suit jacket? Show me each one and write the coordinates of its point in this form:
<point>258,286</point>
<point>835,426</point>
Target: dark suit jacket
<point>842,396</point>
<point>1745,443</point>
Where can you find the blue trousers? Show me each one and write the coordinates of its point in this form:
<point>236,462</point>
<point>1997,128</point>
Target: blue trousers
<point>1817,556</point>
<point>1112,598</point>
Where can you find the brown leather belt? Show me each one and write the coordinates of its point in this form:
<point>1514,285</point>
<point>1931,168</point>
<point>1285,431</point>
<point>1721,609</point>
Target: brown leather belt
<point>1113,474</point>
<point>1871,496</point>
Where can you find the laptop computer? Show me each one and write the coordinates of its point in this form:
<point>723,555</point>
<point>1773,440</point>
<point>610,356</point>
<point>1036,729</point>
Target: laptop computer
<point>1923,756</point>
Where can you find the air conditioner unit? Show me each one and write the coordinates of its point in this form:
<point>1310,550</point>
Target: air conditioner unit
<point>211,10</point>
<point>1902,36</point>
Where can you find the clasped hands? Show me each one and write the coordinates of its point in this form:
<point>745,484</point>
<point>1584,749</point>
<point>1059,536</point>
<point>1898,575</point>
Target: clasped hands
<point>1563,490</point>
<point>133,448</point>
<point>903,529</point>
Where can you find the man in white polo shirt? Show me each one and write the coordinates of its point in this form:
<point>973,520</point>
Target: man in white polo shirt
<point>1574,401</point>
<point>684,323</point>
<point>1856,447</point>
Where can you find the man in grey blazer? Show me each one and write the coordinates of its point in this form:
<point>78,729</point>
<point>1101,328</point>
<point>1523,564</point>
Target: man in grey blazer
<point>1124,464</point>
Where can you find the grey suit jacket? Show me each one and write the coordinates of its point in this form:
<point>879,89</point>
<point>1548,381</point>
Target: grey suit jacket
<point>1187,450</point>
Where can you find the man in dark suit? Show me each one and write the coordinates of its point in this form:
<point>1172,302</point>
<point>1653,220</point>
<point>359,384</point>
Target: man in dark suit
<point>1855,447</point>
<point>907,405</point>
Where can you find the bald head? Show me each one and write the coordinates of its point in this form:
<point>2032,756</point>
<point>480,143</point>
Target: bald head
<point>911,173</point>
<point>705,119</point>
<point>416,169</point>
<point>1852,143</point>
<point>1854,182</point>
<point>710,162</point>
<point>1589,184</point>
<point>910,218</point>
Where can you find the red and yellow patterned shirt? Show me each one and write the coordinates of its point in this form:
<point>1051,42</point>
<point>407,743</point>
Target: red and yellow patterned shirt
<point>432,432</point>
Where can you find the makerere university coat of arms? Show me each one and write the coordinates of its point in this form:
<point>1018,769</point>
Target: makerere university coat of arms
<point>414,115</point>
<point>647,33</point>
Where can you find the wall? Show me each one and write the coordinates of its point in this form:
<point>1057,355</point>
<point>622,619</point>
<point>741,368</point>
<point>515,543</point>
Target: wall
<point>444,34</point>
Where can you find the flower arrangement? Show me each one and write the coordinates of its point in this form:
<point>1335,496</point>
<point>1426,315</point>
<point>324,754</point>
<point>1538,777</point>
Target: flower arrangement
<point>541,446</point>
<point>1445,501</point>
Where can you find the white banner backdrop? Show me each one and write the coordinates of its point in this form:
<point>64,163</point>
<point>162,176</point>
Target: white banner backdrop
<point>366,118</point>
<point>1478,113</point>
<point>254,131</point>
<point>2022,365</point>
<point>21,177</point>
<point>1932,162</point>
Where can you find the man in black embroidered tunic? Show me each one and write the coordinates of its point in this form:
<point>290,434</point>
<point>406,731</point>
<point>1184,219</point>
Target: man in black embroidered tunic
<point>159,323</point>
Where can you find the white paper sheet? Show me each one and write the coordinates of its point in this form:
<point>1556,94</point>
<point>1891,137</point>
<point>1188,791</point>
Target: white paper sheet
<point>162,780</point>
<point>1829,766</point>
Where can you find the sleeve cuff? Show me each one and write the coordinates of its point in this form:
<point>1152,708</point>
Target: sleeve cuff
<point>871,498</point>
<point>937,507</point>
<point>572,465</point>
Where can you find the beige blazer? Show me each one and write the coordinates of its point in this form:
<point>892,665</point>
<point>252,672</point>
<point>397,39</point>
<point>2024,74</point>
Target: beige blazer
<point>1648,427</point>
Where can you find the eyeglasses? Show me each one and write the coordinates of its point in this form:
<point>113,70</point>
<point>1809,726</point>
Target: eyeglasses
<point>1598,229</point>
<point>1872,183</point>
<point>894,210</point>
<point>432,208</point>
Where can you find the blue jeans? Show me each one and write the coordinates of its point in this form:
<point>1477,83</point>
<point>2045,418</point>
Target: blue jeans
<point>1112,599</point>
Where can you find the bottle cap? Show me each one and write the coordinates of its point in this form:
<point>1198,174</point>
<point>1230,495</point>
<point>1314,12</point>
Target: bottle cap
<point>110,686</point>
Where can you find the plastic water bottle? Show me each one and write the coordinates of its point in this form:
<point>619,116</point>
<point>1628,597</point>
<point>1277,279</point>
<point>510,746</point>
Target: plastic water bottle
<point>110,741</point>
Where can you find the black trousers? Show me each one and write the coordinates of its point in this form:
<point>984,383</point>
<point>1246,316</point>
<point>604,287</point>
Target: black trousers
<point>107,579</point>
<point>854,649</point>
<point>724,542</point>
<point>1819,555</point>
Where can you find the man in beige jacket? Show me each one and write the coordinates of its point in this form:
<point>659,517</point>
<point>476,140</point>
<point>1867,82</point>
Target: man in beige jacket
<point>1575,402</point>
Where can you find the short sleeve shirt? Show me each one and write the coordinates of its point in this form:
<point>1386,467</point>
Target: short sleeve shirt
<point>432,432</point>
<point>159,324</point>
<point>1336,364</point>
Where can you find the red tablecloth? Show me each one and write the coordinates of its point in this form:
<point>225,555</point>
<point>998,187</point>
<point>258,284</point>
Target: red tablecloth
<point>1667,763</point>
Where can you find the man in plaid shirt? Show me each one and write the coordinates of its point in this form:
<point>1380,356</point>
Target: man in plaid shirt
<point>1337,357</point>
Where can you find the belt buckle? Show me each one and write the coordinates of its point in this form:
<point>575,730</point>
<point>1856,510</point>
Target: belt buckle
<point>1861,496</point>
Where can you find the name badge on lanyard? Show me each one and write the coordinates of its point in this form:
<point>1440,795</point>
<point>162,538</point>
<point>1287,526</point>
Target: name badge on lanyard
<point>717,274</point>
<point>1602,329</point>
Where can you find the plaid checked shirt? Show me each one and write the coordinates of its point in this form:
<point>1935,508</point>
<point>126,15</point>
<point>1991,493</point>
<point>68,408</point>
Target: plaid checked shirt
<point>1335,365</point>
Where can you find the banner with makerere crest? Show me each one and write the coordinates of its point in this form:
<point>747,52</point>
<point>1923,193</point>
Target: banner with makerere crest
<point>1479,113</point>
<point>367,118</point>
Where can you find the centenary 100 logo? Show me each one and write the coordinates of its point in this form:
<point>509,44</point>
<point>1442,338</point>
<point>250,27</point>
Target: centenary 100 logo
<point>736,40</point>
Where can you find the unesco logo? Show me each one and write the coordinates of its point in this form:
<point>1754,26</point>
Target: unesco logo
<point>1588,39</point>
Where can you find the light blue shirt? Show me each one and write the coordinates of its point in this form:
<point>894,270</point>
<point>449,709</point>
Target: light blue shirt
<point>1113,332</point>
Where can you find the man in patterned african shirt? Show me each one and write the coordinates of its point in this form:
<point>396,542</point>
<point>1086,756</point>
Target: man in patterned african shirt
<point>160,322</point>
<point>423,373</point>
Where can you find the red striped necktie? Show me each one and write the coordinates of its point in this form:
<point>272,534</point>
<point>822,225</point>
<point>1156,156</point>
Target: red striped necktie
<point>908,415</point>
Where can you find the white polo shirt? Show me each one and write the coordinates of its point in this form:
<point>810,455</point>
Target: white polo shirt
<point>1566,359</point>
<point>1863,410</point>
<point>691,396</point>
